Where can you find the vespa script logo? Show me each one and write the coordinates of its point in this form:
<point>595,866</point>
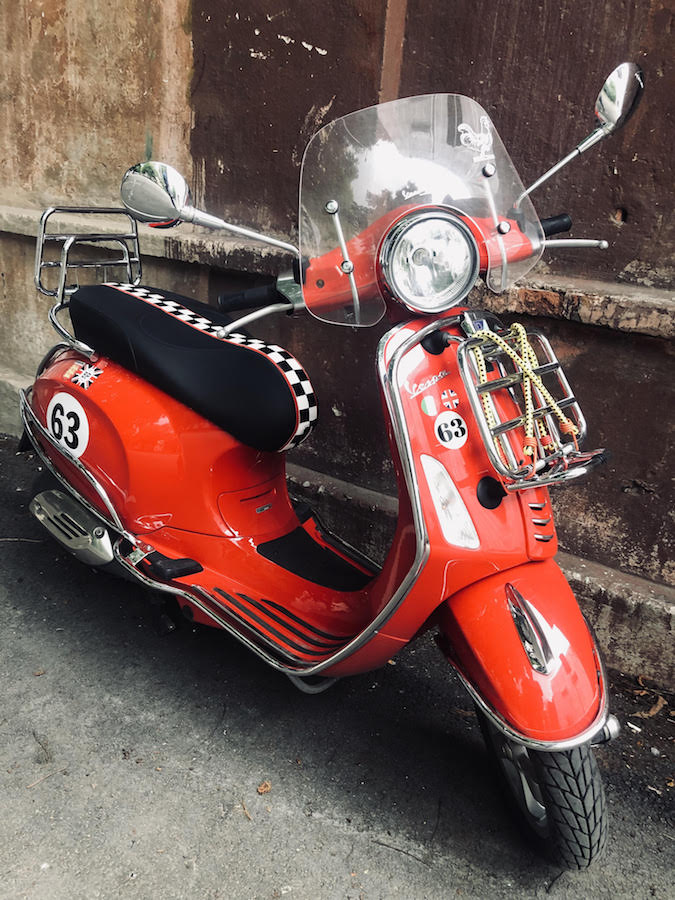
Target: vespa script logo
<point>415,389</point>
<point>480,141</point>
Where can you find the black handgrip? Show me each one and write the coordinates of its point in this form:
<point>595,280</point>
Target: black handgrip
<point>253,298</point>
<point>556,224</point>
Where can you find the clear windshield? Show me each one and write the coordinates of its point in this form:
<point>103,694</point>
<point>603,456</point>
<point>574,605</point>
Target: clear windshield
<point>362,172</point>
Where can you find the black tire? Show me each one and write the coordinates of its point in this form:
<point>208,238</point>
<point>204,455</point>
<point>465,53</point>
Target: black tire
<point>557,796</point>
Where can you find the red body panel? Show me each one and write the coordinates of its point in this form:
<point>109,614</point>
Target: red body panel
<point>191,490</point>
<point>326,285</point>
<point>161,463</point>
<point>485,647</point>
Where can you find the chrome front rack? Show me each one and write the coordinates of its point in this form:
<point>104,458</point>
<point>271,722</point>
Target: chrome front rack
<point>529,419</point>
<point>67,252</point>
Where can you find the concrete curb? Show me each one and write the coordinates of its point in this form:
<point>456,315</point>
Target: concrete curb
<point>622,307</point>
<point>10,384</point>
<point>632,618</point>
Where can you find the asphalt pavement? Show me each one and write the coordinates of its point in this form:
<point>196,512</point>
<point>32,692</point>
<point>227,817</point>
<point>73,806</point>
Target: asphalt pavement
<point>144,765</point>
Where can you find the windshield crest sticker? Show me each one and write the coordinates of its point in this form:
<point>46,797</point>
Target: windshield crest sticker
<point>480,141</point>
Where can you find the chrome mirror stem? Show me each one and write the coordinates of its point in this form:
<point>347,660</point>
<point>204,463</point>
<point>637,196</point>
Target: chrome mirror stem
<point>597,135</point>
<point>156,193</point>
<point>576,243</point>
<point>616,102</point>
<point>197,217</point>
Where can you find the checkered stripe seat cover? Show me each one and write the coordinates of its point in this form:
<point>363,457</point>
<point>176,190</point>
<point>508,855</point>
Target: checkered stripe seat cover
<point>257,392</point>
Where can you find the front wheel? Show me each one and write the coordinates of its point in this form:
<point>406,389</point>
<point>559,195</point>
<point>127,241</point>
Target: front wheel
<point>558,796</point>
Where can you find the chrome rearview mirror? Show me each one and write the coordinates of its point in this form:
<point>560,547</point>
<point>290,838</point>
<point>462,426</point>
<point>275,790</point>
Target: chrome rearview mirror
<point>156,193</point>
<point>617,101</point>
<point>619,96</point>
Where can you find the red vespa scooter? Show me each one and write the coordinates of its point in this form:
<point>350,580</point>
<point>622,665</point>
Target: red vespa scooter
<point>164,424</point>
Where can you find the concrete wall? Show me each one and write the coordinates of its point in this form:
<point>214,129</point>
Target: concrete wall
<point>268,74</point>
<point>229,93</point>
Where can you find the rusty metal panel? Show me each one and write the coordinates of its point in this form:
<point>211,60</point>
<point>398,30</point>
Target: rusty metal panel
<point>267,76</point>
<point>537,68</point>
<point>622,514</point>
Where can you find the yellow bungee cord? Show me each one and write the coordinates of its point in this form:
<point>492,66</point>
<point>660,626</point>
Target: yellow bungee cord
<point>525,362</point>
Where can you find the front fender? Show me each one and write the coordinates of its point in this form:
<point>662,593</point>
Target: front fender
<point>523,649</point>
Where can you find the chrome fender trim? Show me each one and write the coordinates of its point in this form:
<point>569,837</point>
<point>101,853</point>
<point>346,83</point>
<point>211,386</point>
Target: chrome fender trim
<point>594,733</point>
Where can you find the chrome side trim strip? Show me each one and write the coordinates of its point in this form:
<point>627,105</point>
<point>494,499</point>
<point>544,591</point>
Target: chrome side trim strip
<point>309,688</point>
<point>194,594</point>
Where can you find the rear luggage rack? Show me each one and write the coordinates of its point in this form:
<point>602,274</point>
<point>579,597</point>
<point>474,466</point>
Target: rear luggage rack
<point>66,253</point>
<point>529,419</point>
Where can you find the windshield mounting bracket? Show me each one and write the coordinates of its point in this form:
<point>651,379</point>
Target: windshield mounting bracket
<point>332,207</point>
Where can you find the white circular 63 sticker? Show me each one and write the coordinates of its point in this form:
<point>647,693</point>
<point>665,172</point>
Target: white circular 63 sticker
<point>451,430</point>
<point>67,422</point>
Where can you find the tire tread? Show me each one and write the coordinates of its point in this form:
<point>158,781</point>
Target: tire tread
<point>571,784</point>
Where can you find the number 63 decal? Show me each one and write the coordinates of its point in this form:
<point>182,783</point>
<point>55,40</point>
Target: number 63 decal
<point>67,422</point>
<point>451,430</point>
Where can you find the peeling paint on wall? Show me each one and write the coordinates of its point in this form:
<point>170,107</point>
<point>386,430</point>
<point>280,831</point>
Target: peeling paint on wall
<point>287,64</point>
<point>81,95</point>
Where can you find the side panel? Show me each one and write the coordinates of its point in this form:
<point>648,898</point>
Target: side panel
<point>160,463</point>
<point>481,639</point>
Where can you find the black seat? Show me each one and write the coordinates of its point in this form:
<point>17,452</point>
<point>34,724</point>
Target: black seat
<point>259,393</point>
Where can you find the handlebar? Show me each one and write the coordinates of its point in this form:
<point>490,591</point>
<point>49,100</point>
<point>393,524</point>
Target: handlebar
<point>252,298</point>
<point>556,224</point>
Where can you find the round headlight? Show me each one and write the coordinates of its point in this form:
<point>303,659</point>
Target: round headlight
<point>429,260</point>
